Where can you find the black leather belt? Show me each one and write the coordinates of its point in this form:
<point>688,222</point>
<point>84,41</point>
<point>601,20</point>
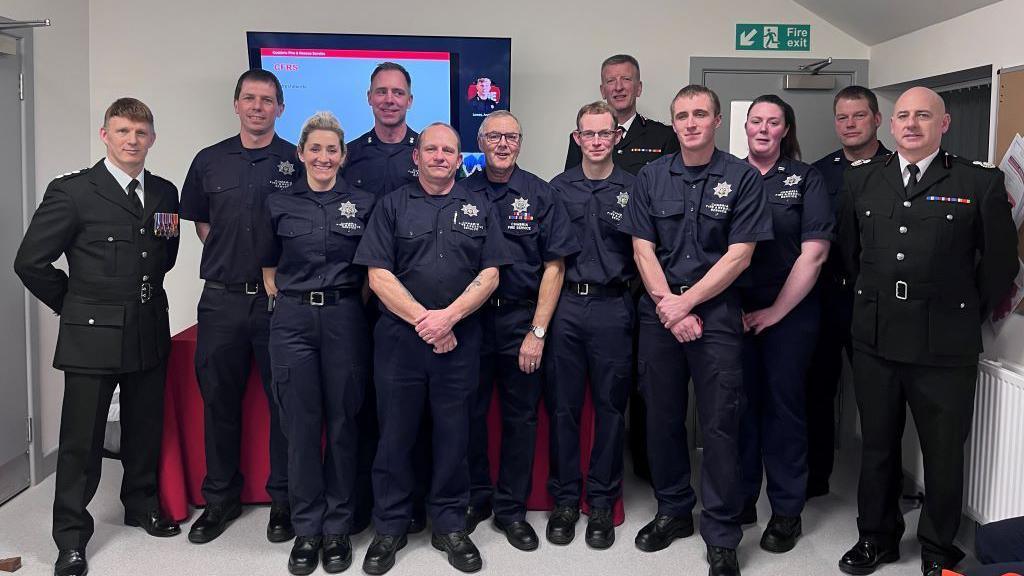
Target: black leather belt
<point>243,288</point>
<point>598,290</point>
<point>322,297</point>
<point>501,302</point>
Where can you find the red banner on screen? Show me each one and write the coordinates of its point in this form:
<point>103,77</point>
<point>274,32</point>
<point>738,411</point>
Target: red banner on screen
<point>376,54</point>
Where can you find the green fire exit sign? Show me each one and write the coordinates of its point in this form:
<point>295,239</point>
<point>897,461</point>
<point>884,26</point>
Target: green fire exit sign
<point>774,37</point>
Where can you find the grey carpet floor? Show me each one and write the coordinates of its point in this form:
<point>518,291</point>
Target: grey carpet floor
<point>829,525</point>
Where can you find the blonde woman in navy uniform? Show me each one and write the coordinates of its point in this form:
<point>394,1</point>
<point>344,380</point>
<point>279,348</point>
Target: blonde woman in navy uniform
<point>319,341</point>
<point>781,317</point>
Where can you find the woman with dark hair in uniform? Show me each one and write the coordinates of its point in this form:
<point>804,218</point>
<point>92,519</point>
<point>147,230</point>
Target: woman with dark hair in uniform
<point>781,321</point>
<point>319,341</point>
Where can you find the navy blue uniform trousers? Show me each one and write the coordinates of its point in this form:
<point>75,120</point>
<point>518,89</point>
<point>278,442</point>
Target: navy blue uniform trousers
<point>773,429</point>
<point>504,328</point>
<point>665,367</point>
<point>321,362</point>
<point>409,376</point>
<point>591,339</point>
<point>233,328</point>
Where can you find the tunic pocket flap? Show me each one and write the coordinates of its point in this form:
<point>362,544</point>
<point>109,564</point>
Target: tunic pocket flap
<point>666,208</point>
<point>79,313</point>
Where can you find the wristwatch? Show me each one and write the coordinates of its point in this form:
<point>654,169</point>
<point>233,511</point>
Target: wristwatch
<point>538,331</point>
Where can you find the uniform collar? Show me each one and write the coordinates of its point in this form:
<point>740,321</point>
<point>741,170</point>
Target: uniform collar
<point>923,164</point>
<point>716,166</point>
<point>301,186</point>
<point>575,174</point>
<point>275,146</point>
<point>458,191</point>
<point>123,179</point>
<point>516,183</point>
<point>372,139</point>
<point>839,156</point>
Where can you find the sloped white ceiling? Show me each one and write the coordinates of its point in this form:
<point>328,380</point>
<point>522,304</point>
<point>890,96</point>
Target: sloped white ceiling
<point>875,21</point>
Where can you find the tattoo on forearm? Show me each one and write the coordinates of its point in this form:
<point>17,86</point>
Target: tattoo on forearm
<point>476,283</point>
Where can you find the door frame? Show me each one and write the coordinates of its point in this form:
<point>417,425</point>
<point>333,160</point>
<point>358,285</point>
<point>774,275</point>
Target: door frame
<point>24,36</point>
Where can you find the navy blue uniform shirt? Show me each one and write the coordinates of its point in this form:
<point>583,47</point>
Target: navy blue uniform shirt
<point>535,226</point>
<point>595,209</point>
<point>313,236</point>
<point>227,187</point>
<point>801,210</point>
<point>380,168</point>
<point>693,218</point>
<point>434,246</point>
<point>832,167</point>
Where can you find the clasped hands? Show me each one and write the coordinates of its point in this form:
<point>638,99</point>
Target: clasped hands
<point>435,328</point>
<point>674,313</point>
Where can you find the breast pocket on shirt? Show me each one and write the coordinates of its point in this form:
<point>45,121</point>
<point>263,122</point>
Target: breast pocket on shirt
<point>787,209</point>
<point>874,216</point>
<point>295,233</point>
<point>713,223</point>
<point>114,247</point>
<point>345,236</point>
<point>669,216</point>
<point>225,197</point>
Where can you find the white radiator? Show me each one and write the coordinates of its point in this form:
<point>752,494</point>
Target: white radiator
<point>995,454</point>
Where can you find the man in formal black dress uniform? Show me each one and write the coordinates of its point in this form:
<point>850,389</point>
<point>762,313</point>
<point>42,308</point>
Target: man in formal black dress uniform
<point>929,239</point>
<point>117,226</point>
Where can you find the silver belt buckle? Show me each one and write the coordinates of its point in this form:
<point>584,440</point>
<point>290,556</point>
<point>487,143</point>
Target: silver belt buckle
<point>901,290</point>
<point>251,291</point>
<point>583,289</point>
<point>316,298</point>
<point>145,292</point>
<point>682,288</point>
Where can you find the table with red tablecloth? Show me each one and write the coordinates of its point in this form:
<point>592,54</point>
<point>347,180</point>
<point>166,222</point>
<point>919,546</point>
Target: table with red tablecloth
<point>183,457</point>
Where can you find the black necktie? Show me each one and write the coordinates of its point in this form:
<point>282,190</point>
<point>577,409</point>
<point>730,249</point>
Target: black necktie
<point>132,196</point>
<point>912,181</point>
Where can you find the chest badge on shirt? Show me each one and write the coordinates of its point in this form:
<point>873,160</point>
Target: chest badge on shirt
<point>414,172</point>
<point>470,210</point>
<point>722,189</point>
<point>285,167</point>
<point>520,210</point>
<point>622,198</point>
<point>792,180</point>
<point>348,210</point>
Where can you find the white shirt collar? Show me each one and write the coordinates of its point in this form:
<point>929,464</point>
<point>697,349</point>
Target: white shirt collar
<point>922,164</point>
<point>625,125</point>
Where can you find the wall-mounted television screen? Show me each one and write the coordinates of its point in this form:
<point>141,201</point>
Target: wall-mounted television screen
<point>458,80</point>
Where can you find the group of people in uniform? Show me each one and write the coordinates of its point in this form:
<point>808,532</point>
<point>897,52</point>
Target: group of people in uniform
<point>654,257</point>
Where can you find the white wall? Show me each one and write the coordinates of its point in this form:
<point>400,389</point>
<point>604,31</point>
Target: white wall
<point>987,36</point>
<point>63,132</point>
<point>183,57</point>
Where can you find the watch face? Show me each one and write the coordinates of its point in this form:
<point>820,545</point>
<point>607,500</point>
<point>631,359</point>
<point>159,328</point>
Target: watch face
<point>539,332</point>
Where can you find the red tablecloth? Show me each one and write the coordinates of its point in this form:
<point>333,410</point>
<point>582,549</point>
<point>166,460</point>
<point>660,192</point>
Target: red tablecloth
<point>183,459</point>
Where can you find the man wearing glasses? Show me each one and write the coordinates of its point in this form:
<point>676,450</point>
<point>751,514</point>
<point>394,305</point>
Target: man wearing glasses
<point>591,333</point>
<point>515,318</point>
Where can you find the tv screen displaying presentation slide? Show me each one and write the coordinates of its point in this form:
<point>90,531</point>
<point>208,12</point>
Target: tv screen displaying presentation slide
<point>458,80</point>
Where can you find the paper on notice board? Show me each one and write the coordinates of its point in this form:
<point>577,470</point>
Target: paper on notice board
<point>1012,166</point>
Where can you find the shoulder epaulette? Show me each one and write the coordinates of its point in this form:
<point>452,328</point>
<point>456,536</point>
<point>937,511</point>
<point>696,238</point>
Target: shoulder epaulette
<point>860,162</point>
<point>74,173</point>
<point>988,165</point>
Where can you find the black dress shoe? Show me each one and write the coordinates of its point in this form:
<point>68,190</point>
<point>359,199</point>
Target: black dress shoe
<point>305,555</point>
<point>279,527</point>
<point>722,562</point>
<point>462,553</point>
<point>380,556</point>
<point>337,553</point>
<point>865,557</point>
<point>154,523</point>
<point>562,524</point>
<point>476,515</point>
<point>416,525</point>
<point>931,568</point>
<point>600,529</point>
<point>71,563</point>
<point>213,521</point>
<point>661,531</point>
<point>781,534</point>
<point>519,534</point>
